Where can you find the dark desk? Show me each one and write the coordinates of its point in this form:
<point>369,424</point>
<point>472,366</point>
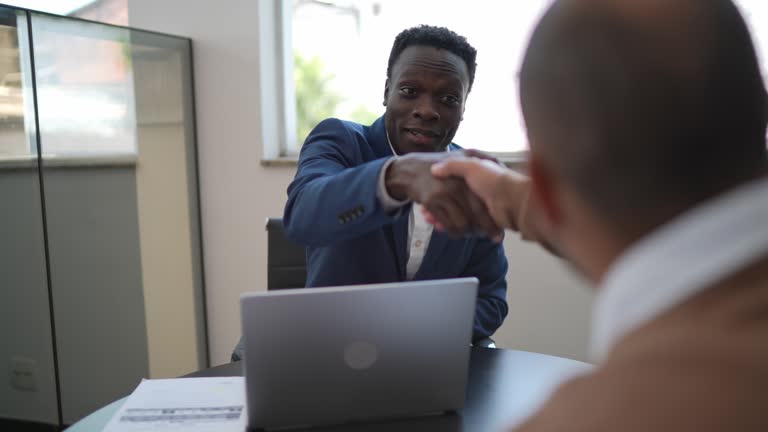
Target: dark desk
<point>504,387</point>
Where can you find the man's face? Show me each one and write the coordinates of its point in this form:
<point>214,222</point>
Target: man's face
<point>425,97</point>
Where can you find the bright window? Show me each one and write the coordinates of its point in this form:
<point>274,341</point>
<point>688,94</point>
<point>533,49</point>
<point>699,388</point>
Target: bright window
<point>341,47</point>
<point>756,14</point>
<point>341,50</point>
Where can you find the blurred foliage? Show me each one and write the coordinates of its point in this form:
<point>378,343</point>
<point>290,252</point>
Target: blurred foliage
<point>316,100</point>
<point>363,115</point>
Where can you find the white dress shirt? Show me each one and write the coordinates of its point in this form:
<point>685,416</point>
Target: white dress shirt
<point>679,260</point>
<point>419,231</point>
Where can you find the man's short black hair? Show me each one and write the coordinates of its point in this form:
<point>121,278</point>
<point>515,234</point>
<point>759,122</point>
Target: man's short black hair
<point>436,37</point>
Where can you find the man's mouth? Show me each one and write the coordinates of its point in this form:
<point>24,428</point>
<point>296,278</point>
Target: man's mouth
<point>423,133</point>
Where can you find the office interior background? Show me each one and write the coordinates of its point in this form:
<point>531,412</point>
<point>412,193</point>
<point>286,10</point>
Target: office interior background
<point>126,242</point>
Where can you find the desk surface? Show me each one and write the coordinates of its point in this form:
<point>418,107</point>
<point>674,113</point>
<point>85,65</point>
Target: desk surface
<point>504,387</point>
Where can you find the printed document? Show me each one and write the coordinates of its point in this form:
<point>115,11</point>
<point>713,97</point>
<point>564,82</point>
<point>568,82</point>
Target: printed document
<point>214,404</point>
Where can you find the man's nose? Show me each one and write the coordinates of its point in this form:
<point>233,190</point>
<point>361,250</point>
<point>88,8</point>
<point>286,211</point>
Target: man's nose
<point>425,110</point>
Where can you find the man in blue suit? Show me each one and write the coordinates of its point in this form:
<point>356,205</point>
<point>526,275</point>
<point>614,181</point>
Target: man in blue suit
<point>359,190</point>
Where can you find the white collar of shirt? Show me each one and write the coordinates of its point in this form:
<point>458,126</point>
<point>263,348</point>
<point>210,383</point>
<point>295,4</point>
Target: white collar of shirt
<point>678,260</point>
<point>419,233</point>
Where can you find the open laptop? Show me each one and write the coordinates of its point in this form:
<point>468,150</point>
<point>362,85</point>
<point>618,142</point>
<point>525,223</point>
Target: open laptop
<point>335,355</point>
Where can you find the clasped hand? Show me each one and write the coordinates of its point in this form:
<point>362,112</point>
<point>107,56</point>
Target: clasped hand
<point>448,202</point>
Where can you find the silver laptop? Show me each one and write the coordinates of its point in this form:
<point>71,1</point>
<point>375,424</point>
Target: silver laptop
<point>321,356</point>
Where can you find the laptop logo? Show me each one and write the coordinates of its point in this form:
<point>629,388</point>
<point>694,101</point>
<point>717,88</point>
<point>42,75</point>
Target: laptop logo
<point>360,355</point>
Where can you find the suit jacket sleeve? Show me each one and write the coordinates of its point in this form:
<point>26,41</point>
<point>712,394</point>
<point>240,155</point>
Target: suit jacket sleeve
<point>488,263</point>
<point>333,196</point>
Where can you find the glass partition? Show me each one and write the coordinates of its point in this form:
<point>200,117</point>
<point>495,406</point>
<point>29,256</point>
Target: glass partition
<point>85,88</point>
<point>26,338</point>
<point>100,213</point>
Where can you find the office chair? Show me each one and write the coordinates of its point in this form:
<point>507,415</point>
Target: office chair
<point>287,268</point>
<point>286,260</point>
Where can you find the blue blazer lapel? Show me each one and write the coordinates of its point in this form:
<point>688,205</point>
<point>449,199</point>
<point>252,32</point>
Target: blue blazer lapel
<point>377,138</point>
<point>437,244</point>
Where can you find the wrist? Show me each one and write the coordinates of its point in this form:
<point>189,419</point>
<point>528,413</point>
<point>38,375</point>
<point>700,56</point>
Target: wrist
<point>516,191</point>
<point>396,180</point>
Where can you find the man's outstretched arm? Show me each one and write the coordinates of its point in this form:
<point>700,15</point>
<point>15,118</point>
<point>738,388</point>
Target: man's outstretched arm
<point>505,193</point>
<point>333,196</point>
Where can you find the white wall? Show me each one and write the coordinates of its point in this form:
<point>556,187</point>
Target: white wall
<point>237,194</point>
<point>548,307</point>
<point>167,213</point>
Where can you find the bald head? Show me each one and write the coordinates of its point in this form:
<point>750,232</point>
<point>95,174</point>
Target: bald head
<point>645,108</point>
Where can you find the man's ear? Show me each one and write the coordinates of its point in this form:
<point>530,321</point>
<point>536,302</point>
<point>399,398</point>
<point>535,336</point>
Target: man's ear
<point>386,91</point>
<point>544,190</point>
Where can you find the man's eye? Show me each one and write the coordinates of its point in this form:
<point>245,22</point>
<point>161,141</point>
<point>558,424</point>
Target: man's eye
<point>451,100</point>
<point>407,91</point>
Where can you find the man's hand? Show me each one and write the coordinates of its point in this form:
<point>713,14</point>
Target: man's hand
<point>503,191</point>
<point>459,210</point>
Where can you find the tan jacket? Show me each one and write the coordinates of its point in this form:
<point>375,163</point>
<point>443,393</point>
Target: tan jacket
<point>700,367</point>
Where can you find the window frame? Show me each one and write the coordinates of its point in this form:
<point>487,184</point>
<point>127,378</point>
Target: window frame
<point>276,80</point>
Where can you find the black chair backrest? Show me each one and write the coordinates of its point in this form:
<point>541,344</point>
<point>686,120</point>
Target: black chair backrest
<point>286,267</point>
<point>286,260</point>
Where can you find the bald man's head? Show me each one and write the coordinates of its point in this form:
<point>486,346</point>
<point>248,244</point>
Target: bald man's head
<point>645,107</point>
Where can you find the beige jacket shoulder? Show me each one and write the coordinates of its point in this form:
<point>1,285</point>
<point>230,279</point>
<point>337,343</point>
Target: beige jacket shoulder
<point>700,367</point>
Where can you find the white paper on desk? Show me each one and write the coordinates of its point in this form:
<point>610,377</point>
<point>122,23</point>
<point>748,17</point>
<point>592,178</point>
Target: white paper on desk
<point>192,404</point>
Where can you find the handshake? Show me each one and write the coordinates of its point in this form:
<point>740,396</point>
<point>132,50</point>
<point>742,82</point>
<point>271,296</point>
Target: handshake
<point>467,192</point>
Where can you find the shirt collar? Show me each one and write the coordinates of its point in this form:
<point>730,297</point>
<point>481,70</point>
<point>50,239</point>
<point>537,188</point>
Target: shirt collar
<point>679,260</point>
